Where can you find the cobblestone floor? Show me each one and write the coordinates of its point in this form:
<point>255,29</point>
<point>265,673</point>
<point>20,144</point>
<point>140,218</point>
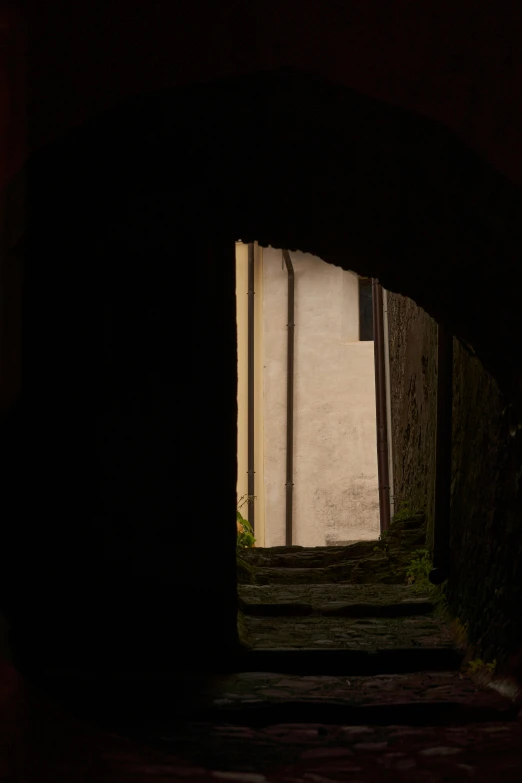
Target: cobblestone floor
<point>39,743</point>
<point>319,753</point>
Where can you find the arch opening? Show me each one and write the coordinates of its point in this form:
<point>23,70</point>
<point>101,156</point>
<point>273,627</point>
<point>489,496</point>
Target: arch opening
<point>131,318</point>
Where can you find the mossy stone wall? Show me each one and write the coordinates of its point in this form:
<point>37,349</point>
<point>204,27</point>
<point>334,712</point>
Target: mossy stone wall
<point>485,587</point>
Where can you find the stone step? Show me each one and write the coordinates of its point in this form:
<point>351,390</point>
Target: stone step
<point>309,557</point>
<point>348,662</point>
<point>176,694</point>
<point>320,594</point>
<point>405,535</point>
<point>436,713</point>
<point>377,569</point>
<point>321,557</point>
<point>344,633</point>
<point>337,609</point>
<point>421,698</point>
<point>418,687</point>
<point>333,600</point>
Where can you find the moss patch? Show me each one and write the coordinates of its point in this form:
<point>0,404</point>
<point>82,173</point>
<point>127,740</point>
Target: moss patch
<point>246,574</point>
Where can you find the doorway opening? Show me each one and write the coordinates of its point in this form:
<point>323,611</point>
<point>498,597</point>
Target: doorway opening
<point>314,423</point>
<point>307,432</point>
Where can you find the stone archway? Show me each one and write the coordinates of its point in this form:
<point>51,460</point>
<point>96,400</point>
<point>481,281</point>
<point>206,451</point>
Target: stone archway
<point>297,162</point>
<point>131,317</point>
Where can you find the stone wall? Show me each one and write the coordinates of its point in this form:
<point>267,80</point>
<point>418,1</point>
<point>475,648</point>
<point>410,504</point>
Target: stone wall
<point>485,589</point>
<point>485,586</point>
<point>413,378</point>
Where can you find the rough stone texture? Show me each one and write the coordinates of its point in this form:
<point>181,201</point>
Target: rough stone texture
<point>323,595</point>
<point>403,534</point>
<point>261,687</point>
<point>47,744</point>
<point>303,557</point>
<point>381,568</point>
<point>486,515</point>
<point>322,753</point>
<point>245,572</point>
<point>413,383</point>
<point>252,745</point>
<point>485,587</point>
<point>345,632</point>
<point>383,562</point>
<point>310,607</point>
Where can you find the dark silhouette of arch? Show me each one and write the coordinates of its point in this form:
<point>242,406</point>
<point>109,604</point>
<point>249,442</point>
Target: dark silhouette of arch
<point>129,320</point>
<point>293,161</point>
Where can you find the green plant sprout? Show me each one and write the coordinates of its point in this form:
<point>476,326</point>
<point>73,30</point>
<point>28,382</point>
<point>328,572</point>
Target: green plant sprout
<point>245,534</point>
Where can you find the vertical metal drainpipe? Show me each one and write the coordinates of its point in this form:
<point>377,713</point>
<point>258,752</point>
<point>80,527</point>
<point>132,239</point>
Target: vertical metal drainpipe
<point>251,385</point>
<point>380,402</point>
<point>290,400</point>
<point>441,522</point>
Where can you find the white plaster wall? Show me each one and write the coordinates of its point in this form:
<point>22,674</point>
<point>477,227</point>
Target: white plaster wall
<point>335,457</point>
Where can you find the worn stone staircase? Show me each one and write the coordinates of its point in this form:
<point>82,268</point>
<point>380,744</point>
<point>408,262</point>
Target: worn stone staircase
<point>366,562</point>
<point>347,673</point>
<point>343,607</point>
